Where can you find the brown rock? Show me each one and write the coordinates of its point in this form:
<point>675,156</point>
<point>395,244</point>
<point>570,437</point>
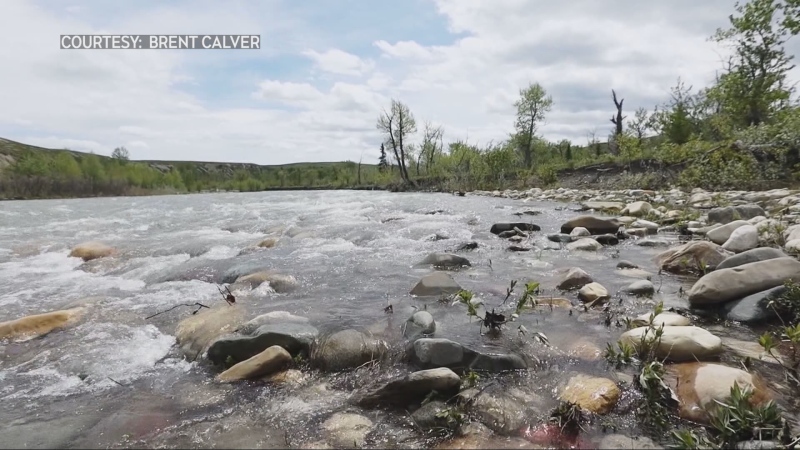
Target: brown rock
<point>584,349</point>
<point>593,292</point>
<point>269,361</point>
<point>268,243</point>
<point>698,385</point>
<point>575,278</point>
<point>691,257</point>
<point>196,333</point>
<point>595,225</point>
<point>279,282</point>
<point>598,395</point>
<point>88,251</point>
<point>30,327</point>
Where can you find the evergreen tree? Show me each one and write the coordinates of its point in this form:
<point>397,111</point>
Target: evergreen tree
<point>382,164</point>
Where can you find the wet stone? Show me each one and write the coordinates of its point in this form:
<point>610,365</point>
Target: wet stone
<point>294,337</point>
<point>435,352</point>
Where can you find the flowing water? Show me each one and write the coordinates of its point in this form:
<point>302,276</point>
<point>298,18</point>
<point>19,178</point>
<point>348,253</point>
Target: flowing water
<point>116,379</point>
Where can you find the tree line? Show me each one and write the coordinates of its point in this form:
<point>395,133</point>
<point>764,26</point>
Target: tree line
<point>742,130</point>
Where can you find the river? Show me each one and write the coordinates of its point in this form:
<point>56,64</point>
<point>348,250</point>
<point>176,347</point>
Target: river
<point>117,379</point>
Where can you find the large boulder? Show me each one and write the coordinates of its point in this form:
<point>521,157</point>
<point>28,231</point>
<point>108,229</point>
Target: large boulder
<point>730,213</point>
<point>699,386</point>
<point>742,239</point>
<point>692,257</point>
<point>595,225</point>
<point>435,284</point>
<point>296,338</point>
<point>678,343</point>
<point>30,327</point>
<point>501,227</point>
<point>428,353</point>
<point>410,388</point>
<point>719,235</point>
<point>267,362</point>
<point>444,260</point>
<point>197,332</point>
<point>755,308</point>
<point>346,349</point>
<point>88,251</point>
<point>750,256</point>
<point>726,285</point>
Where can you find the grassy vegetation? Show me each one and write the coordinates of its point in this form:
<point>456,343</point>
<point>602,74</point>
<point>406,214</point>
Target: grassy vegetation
<point>742,132</point>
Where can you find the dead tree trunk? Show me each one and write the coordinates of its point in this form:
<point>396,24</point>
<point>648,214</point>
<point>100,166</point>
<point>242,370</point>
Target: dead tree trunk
<point>617,120</point>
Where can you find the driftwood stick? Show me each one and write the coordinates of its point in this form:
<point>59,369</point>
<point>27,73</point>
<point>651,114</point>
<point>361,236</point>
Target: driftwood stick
<point>199,307</point>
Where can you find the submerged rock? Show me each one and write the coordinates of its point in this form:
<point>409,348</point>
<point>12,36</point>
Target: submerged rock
<point>88,251</point>
<point>598,395</point>
<point>722,286</point>
<point>445,260</point>
<point>585,244</point>
<point>295,338</point>
<point>268,243</point>
<point>467,246</point>
<point>346,349</point>
<point>430,353</point>
<point>346,430</point>
<point>668,319</point>
<point>267,362</point>
<point>501,227</point>
<point>30,327</point>
<point>435,284</point>
<point>196,333</point>
<point>643,288</point>
<point>280,283</point>
<point>677,343</point>
<point>411,388</point>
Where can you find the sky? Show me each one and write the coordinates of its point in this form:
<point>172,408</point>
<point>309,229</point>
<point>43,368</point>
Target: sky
<point>327,68</point>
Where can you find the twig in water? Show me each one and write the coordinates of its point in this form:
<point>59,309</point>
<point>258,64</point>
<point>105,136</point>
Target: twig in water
<point>228,297</point>
<point>115,381</point>
<point>199,307</point>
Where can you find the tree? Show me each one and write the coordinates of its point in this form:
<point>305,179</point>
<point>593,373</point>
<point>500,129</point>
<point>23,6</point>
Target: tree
<point>593,142</point>
<point>382,164</point>
<point>398,125</point>
<point>677,120</point>
<point>533,105</point>
<point>121,154</point>
<point>640,124</point>
<point>432,145</point>
<point>754,85</point>
<point>617,120</point>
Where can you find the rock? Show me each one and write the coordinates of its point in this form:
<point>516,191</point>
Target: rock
<point>88,251</point>
<point>595,225</point>
<point>411,388</point>
<point>750,256</point>
<point>742,239</point>
<point>519,248</point>
<point>501,412</point>
<point>607,239</point>
<point>267,362</point>
<point>642,288</point>
<point>346,349</point>
<point>700,385</point>
<point>29,327</point>
<point>726,285</point>
<point>280,283</point>
<point>602,206</point>
<point>435,284</point>
<point>268,243</point>
<point>700,197</point>
<point>346,430</point>
<point>500,227</point>
<point>635,273</point>
<point>598,395</point>
<point>692,257</point>
<point>730,213</point>
<point>197,332</point>
<point>585,244</point>
<point>445,260</point>
<point>678,343</point>
<point>428,353</point>
<point>637,209</point>
<point>560,238</point>
<point>754,308</point>
<point>467,246</point>
<point>720,235</point>
<point>593,292</point>
<point>626,265</point>
<point>479,441</point>
<point>420,323</point>
<point>622,442</point>
<point>426,415</point>
<point>272,317</point>
<point>575,278</point>
<point>668,319</point>
<point>507,234</point>
<point>653,243</point>
<point>585,349</point>
<point>793,246</point>
<point>651,227</point>
<point>296,338</point>
<point>579,232</point>
<point>289,376</point>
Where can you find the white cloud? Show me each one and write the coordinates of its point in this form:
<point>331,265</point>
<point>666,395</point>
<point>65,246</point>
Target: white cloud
<point>339,62</point>
<point>254,106</point>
